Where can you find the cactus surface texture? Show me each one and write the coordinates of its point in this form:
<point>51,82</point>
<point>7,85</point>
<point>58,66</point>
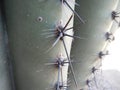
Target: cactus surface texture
<point>54,43</point>
<point>90,51</point>
<point>37,44</point>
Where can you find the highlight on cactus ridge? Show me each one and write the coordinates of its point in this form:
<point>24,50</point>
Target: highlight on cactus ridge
<point>54,43</point>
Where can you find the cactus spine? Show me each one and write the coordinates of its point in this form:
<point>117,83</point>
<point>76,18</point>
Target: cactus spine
<point>40,36</point>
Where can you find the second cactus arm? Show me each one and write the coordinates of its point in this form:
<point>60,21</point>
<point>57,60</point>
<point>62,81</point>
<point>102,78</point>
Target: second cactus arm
<point>97,15</point>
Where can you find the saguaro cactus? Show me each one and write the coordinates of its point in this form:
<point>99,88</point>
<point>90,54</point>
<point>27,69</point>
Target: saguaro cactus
<point>40,34</point>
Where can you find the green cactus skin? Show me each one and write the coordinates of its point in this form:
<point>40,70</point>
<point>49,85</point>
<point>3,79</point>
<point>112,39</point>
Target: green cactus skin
<point>98,21</point>
<point>5,83</point>
<point>26,22</point>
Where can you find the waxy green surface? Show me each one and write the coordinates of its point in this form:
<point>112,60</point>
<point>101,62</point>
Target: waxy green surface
<point>97,15</point>
<point>27,21</point>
